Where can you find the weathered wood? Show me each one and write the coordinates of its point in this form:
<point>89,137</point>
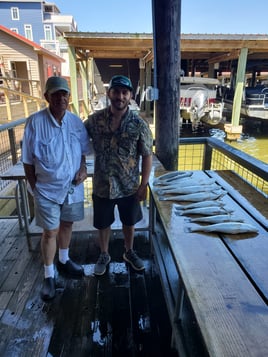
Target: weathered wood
<point>250,250</point>
<point>70,324</point>
<point>225,303</point>
<point>167,20</point>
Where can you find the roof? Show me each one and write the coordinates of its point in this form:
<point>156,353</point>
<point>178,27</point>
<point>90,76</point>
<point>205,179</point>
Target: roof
<point>211,48</point>
<point>35,46</point>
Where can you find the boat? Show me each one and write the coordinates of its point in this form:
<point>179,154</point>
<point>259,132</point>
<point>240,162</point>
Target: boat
<point>198,101</point>
<point>254,102</point>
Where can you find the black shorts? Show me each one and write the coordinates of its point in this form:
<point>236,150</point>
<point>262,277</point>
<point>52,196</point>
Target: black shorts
<point>129,209</point>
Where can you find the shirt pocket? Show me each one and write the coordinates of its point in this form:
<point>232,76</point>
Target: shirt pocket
<point>75,144</point>
<point>48,152</point>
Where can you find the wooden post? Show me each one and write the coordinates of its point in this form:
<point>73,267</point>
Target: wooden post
<point>166,21</point>
<point>142,85</point>
<point>73,77</point>
<point>148,80</point>
<point>234,130</point>
<point>84,77</point>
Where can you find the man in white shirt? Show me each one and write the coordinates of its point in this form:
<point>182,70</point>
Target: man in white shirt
<point>54,147</point>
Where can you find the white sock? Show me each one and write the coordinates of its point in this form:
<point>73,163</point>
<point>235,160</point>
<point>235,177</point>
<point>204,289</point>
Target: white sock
<point>49,271</point>
<point>63,255</point>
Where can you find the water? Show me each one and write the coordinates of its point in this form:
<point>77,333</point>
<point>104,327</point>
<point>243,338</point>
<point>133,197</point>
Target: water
<point>253,141</point>
<point>255,146</point>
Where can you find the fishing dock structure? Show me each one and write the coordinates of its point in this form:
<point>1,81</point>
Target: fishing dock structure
<point>204,293</point>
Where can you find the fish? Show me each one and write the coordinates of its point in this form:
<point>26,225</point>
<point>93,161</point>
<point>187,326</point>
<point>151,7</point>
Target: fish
<point>206,211</point>
<point>188,189</point>
<point>184,181</point>
<point>217,218</point>
<point>226,227</point>
<point>171,177</point>
<point>200,204</point>
<point>195,197</point>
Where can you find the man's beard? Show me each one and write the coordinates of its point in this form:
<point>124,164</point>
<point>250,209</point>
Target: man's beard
<point>119,105</point>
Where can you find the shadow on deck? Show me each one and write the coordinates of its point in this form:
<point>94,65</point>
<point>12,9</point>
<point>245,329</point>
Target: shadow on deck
<point>122,313</point>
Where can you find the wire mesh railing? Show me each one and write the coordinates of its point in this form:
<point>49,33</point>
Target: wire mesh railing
<point>11,135</point>
<point>194,154</point>
<point>212,154</point>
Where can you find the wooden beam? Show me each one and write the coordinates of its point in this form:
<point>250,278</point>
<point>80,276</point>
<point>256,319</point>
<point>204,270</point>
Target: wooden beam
<point>240,82</point>
<point>73,78</point>
<point>225,57</point>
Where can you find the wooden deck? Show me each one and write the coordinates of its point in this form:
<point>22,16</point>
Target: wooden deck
<point>120,314</point>
<point>203,294</point>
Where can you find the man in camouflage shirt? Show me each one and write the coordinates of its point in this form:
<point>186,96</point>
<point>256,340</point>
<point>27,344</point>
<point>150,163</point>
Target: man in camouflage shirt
<point>120,137</point>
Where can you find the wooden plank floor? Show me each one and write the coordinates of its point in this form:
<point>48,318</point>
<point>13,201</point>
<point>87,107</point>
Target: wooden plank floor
<point>120,314</point>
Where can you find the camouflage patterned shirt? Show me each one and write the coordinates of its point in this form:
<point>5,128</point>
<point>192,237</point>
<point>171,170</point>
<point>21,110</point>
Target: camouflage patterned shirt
<point>117,154</point>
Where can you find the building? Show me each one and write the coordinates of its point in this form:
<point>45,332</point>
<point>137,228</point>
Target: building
<point>24,64</point>
<point>41,22</point>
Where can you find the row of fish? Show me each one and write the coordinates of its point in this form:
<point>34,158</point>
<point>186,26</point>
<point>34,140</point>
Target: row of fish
<point>205,196</point>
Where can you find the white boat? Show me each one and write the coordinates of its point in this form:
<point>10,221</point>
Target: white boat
<point>198,101</point>
<point>254,103</point>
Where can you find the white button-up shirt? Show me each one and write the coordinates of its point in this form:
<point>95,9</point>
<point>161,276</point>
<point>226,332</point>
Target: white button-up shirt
<point>55,151</point>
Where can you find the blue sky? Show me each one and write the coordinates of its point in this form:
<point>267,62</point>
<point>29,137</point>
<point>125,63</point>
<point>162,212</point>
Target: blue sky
<point>204,16</point>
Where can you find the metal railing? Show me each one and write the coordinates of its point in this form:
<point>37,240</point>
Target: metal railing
<point>194,154</point>
<point>213,154</point>
<point>11,135</point>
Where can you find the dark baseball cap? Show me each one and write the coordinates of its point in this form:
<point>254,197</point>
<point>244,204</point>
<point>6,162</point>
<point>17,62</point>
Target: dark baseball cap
<point>120,81</point>
<point>55,84</point>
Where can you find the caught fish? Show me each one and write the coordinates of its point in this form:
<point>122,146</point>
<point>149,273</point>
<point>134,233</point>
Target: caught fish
<point>184,181</point>
<point>217,219</point>
<point>200,204</point>
<point>206,211</point>
<point>168,175</point>
<point>195,197</point>
<point>171,176</point>
<point>188,189</point>
<point>226,227</point>
<point>166,188</point>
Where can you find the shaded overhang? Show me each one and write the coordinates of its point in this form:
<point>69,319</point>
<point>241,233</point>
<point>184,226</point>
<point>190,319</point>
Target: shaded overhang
<point>207,48</point>
<point>109,45</point>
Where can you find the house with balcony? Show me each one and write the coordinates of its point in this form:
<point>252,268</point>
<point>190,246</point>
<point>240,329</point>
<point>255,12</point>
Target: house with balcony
<point>24,69</point>
<point>41,22</point>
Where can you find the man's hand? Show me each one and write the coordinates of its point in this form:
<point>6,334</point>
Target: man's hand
<point>81,175</point>
<point>142,192</point>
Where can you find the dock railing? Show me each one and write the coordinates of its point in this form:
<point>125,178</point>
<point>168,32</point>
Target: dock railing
<point>11,135</point>
<point>203,153</point>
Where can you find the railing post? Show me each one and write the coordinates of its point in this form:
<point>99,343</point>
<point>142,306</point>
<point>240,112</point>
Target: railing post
<point>12,142</point>
<point>207,156</point>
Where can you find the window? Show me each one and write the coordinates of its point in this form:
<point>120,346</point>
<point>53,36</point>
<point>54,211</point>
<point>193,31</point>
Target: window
<point>48,33</point>
<point>14,29</point>
<point>13,68</point>
<point>48,8</point>
<point>28,32</point>
<point>15,13</point>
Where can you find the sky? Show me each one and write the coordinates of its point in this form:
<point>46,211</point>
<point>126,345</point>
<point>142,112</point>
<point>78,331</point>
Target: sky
<point>204,16</point>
